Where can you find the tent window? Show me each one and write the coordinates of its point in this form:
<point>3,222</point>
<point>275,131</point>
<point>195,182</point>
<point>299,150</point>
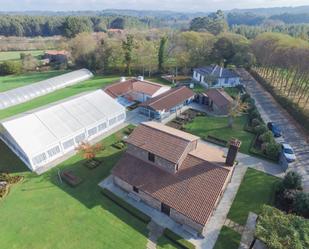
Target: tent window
<point>53,151</point>
<point>92,131</point>
<point>120,117</point>
<point>39,159</point>
<point>101,127</point>
<point>112,121</point>
<point>67,144</point>
<point>80,138</point>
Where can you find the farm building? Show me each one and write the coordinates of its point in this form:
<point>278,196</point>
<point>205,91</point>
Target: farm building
<point>216,76</point>
<point>175,172</point>
<point>135,90</point>
<point>25,93</point>
<point>165,104</point>
<point>44,135</point>
<point>56,56</point>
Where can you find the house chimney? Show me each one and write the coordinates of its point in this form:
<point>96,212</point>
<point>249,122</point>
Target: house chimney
<point>122,79</point>
<point>232,153</point>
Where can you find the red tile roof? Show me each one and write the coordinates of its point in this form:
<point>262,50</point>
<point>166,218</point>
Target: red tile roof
<point>192,191</point>
<point>132,85</point>
<point>163,141</point>
<point>169,99</point>
<point>219,97</point>
<point>56,52</point>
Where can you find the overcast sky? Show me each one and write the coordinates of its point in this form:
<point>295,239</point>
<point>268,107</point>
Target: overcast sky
<point>176,5</point>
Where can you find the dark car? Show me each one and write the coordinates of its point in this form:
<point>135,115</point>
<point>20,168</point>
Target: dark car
<point>275,129</point>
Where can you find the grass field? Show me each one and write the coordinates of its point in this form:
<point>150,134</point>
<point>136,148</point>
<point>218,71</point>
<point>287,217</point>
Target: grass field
<point>96,82</point>
<point>14,81</point>
<point>256,189</point>
<point>164,243</point>
<point>15,55</point>
<point>217,126</point>
<point>228,239</point>
<point>41,212</point>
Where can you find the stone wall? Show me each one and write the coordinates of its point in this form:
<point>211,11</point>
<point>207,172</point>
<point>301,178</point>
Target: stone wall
<point>182,219</point>
<point>159,161</point>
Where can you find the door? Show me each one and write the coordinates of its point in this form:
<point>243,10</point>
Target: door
<point>165,209</point>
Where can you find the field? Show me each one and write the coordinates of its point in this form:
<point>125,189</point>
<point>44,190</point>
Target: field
<point>94,83</point>
<point>15,55</point>
<point>217,127</point>
<point>41,212</point>
<point>14,81</point>
<point>256,189</point>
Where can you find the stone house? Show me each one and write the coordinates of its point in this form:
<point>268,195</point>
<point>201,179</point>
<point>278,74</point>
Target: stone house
<point>175,173</point>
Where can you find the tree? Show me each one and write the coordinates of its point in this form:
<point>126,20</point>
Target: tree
<point>162,53</point>
<point>29,63</point>
<point>237,108</point>
<point>292,180</point>
<point>128,46</point>
<point>301,205</point>
<point>10,67</point>
<point>75,25</point>
<point>89,151</point>
<point>118,23</point>
<point>223,51</point>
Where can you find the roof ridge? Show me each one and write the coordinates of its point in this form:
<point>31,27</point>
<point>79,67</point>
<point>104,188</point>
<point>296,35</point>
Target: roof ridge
<point>167,94</point>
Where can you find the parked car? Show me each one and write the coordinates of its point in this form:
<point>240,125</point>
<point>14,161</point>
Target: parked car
<point>288,153</point>
<point>275,129</point>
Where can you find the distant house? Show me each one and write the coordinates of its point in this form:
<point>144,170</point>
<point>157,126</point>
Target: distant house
<point>56,56</point>
<point>167,103</point>
<point>216,99</point>
<point>216,76</point>
<point>128,91</point>
<point>175,172</point>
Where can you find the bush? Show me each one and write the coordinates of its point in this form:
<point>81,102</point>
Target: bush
<point>10,67</point>
<point>178,239</point>
<point>267,137</point>
<point>260,129</point>
<point>254,114</point>
<point>125,205</point>
<point>255,122</point>
<point>301,204</point>
<point>292,180</point>
<point>273,150</point>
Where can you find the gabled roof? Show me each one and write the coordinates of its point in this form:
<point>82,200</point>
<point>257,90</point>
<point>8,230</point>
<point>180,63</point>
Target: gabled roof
<point>169,99</point>
<point>133,85</point>
<point>219,97</point>
<point>56,52</point>
<point>161,140</point>
<point>216,71</point>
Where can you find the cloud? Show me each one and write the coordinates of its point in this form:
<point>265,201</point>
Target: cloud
<point>177,5</point>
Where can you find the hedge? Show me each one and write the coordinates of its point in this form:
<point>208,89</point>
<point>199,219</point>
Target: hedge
<point>125,205</point>
<point>178,240</point>
<point>295,111</point>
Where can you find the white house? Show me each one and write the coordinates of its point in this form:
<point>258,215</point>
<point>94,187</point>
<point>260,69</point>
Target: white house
<point>44,135</point>
<point>25,93</point>
<point>216,76</point>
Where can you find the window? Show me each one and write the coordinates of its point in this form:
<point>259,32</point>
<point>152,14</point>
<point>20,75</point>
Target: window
<point>120,117</point>
<point>39,159</point>
<point>165,209</point>
<point>53,151</point>
<point>67,144</point>
<point>92,131</point>
<point>80,138</point>
<point>135,189</point>
<point>151,157</point>
<point>112,121</point>
<point>102,126</point>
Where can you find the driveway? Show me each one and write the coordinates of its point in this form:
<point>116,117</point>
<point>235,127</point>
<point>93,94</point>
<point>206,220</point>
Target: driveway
<point>271,111</point>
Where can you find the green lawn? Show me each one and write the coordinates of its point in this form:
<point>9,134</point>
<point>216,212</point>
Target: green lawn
<point>14,81</point>
<point>217,127</point>
<point>96,82</point>
<point>256,189</point>
<point>164,243</point>
<point>228,239</point>
<point>159,80</point>
<point>41,212</point>
<point>232,91</point>
<point>15,55</point>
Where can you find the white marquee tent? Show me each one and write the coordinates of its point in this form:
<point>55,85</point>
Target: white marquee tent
<point>40,137</point>
<point>25,93</point>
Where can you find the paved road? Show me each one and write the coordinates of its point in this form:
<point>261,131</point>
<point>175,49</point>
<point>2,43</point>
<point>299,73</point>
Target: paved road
<point>272,111</point>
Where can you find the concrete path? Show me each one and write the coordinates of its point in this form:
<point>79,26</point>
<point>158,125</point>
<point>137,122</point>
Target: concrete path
<point>248,233</point>
<point>155,232</point>
<point>271,111</point>
<point>235,226</point>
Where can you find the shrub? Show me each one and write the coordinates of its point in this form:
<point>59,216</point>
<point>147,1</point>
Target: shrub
<point>267,137</point>
<point>125,205</point>
<point>272,150</point>
<point>254,114</point>
<point>260,129</point>
<point>178,239</point>
<point>292,180</point>
<point>10,67</point>
<point>301,204</point>
<point>255,122</point>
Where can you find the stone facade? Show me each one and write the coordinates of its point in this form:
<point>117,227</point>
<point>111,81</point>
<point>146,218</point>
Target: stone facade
<point>159,161</point>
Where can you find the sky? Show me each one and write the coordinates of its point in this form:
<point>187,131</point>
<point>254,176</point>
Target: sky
<point>176,5</point>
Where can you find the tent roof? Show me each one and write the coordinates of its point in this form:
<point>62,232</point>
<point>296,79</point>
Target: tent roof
<point>31,91</point>
<point>38,130</point>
